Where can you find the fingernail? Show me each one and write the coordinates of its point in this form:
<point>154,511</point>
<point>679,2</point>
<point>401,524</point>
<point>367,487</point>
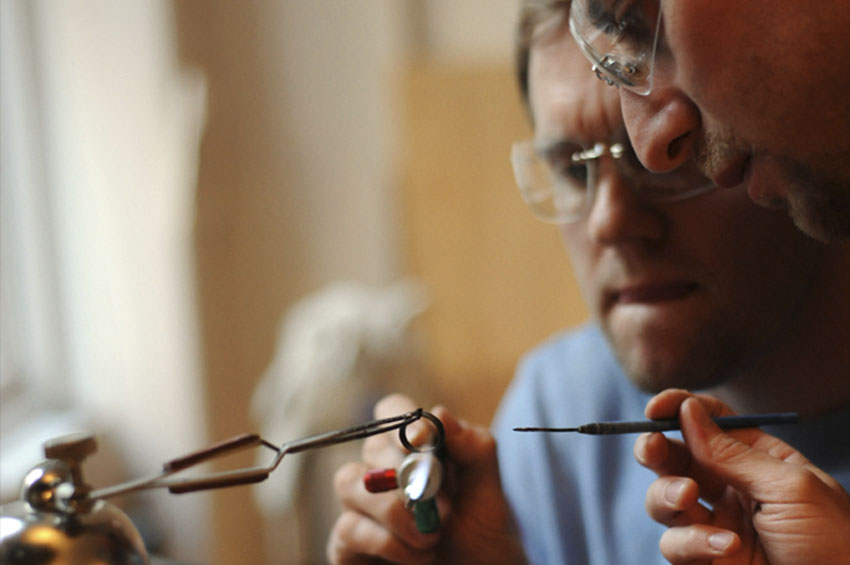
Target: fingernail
<point>720,541</point>
<point>698,412</point>
<point>673,491</point>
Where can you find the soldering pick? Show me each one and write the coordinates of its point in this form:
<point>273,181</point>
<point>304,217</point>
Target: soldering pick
<point>725,422</point>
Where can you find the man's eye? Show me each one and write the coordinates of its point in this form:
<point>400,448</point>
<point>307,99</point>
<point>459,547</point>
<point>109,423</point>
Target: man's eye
<point>566,170</point>
<point>574,174</point>
<point>607,23</point>
<point>627,21</point>
<point>633,27</point>
<point>562,165</point>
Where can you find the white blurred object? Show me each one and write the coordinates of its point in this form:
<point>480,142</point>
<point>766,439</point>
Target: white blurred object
<point>336,348</point>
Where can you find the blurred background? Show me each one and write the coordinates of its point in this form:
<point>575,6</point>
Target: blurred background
<point>232,216</point>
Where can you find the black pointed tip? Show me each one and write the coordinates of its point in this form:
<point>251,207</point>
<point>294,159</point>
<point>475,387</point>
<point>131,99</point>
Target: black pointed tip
<point>538,429</point>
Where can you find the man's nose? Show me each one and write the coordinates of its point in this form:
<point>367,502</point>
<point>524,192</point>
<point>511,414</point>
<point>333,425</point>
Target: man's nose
<point>619,215</point>
<point>663,127</point>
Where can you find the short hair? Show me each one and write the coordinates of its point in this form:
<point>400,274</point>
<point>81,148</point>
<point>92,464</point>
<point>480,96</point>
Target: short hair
<point>536,17</point>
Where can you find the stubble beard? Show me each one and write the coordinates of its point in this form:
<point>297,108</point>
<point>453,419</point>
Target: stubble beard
<point>821,210</point>
<point>699,362</point>
<point>819,207</point>
<point>716,149</point>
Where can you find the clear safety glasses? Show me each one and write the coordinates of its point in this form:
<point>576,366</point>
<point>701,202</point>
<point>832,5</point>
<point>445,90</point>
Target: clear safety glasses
<point>558,180</point>
<point>619,37</point>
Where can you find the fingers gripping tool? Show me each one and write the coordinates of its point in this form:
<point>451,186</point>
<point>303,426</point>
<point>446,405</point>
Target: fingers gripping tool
<point>418,477</point>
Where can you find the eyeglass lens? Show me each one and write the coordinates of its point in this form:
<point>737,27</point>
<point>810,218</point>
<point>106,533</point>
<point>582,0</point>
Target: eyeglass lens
<point>558,181</point>
<point>619,38</point>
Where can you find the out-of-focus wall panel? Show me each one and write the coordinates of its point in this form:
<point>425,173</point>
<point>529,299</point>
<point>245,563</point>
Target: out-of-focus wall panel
<point>500,281</point>
<point>294,191</point>
<point>299,186</point>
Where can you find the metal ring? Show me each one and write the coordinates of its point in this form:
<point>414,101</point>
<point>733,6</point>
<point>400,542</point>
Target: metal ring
<point>434,446</point>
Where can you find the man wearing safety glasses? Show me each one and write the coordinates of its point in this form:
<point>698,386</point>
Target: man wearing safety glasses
<point>748,91</point>
<point>756,91</point>
<point>689,286</point>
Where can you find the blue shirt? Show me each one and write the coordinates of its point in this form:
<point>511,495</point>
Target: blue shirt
<point>580,499</point>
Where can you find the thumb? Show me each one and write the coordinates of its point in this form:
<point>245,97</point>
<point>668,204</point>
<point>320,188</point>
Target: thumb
<point>751,461</point>
<point>466,444</point>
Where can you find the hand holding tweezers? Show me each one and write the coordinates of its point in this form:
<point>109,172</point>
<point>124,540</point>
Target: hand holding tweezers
<point>258,473</point>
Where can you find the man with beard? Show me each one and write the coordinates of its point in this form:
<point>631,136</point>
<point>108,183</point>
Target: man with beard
<point>755,91</point>
<point>690,286</point>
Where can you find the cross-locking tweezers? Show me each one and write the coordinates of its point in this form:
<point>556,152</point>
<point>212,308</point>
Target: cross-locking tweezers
<point>258,473</point>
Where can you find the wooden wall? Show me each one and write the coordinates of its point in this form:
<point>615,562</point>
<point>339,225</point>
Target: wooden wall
<point>500,281</point>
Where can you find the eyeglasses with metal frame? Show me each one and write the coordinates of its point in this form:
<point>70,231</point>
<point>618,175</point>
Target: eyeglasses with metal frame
<point>558,180</point>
